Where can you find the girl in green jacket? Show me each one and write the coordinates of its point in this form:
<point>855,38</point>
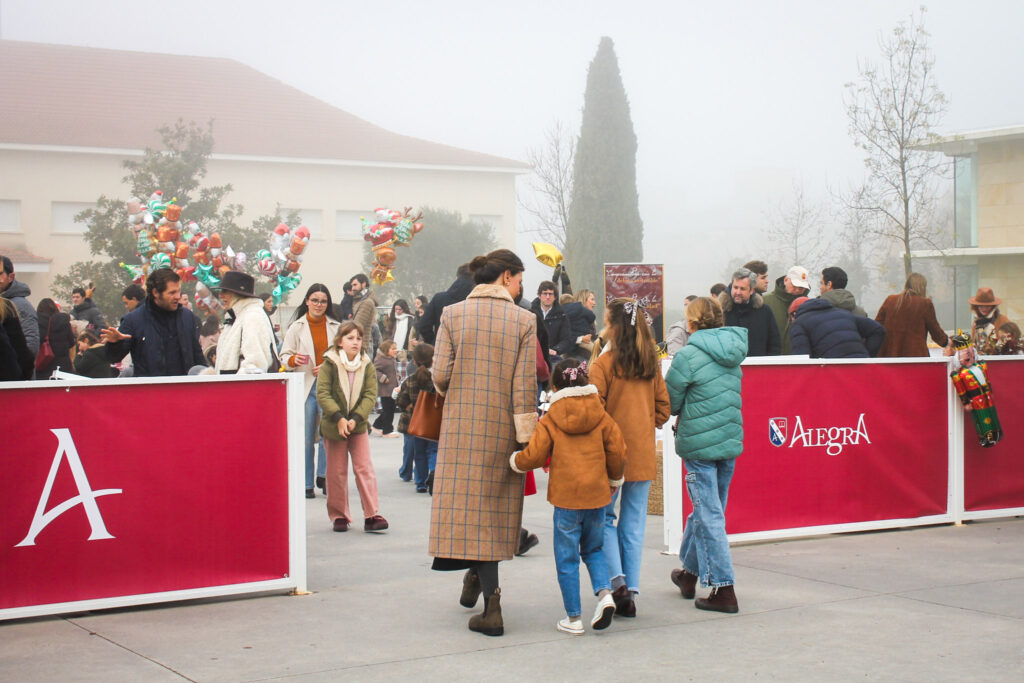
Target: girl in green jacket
<point>704,384</point>
<point>346,391</point>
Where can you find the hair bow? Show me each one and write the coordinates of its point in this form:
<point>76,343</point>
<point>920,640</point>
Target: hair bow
<point>632,305</point>
<point>577,371</point>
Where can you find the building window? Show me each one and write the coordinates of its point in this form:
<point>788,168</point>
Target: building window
<point>63,217</point>
<point>965,285</point>
<point>347,225</point>
<point>311,218</point>
<point>965,202</point>
<point>10,215</point>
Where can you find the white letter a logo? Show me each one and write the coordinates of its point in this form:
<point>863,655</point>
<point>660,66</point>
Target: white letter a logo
<point>86,496</point>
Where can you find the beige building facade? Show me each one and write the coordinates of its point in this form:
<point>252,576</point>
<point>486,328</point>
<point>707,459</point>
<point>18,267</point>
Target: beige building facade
<point>279,148</point>
<point>988,218</point>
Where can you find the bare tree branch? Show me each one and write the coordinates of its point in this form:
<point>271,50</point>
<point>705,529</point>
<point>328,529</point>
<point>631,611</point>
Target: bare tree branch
<point>892,110</point>
<point>550,184</point>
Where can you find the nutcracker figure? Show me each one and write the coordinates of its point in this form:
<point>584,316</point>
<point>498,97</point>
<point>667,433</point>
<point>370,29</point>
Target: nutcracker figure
<point>974,391</point>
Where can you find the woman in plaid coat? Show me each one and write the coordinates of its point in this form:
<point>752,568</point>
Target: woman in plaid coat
<point>484,363</point>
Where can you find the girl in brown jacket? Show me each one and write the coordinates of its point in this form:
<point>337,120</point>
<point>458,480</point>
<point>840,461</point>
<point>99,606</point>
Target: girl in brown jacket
<point>908,319</point>
<point>628,379</point>
<point>586,451</point>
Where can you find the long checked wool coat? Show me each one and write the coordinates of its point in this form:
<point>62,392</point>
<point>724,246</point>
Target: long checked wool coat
<point>485,364</point>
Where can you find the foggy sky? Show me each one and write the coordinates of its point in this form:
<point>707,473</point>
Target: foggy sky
<point>731,102</point>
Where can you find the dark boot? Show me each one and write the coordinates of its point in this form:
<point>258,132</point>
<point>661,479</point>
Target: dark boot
<point>526,541</point>
<point>686,582</point>
<point>470,589</point>
<point>321,483</point>
<point>489,623</point>
<point>722,599</point>
<point>624,605</point>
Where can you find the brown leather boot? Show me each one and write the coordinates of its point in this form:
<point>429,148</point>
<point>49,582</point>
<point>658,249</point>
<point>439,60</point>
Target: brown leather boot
<point>686,582</point>
<point>470,589</point>
<point>489,623</point>
<point>722,599</point>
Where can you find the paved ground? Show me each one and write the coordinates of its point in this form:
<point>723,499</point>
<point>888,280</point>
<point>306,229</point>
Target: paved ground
<point>933,604</point>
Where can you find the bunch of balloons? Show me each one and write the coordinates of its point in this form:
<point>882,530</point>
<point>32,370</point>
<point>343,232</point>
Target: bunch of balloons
<point>161,242</point>
<point>281,262</point>
<point>391,229</point>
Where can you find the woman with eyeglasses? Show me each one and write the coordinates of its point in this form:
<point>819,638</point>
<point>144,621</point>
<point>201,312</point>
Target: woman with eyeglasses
<point>305,342</point>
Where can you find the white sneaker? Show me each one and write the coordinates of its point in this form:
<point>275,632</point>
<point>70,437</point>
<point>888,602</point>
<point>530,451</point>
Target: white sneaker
<point>575,626</point>
<point>604,613</point>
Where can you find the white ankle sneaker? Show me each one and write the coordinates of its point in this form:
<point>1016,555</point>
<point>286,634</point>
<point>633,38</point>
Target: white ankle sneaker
<point>604,613</point>
<point>574,626</point>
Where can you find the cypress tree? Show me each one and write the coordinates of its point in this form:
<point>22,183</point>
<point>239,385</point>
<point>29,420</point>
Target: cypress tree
<point>604,217</point>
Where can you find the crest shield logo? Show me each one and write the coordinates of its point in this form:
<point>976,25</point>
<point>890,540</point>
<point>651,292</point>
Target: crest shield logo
<point>778,431</point>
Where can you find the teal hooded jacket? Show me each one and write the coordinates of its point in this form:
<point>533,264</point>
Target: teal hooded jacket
<point>704,383</point>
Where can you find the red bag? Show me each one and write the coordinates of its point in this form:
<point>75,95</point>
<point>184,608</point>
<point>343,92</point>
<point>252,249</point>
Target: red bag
<point>45,355</point>
<point>543,372</point>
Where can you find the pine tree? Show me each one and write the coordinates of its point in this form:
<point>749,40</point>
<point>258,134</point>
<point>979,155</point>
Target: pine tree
<point>604,218</point>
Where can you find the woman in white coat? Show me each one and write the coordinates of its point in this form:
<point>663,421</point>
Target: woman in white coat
<point>305,342</point>
<point>247,343</point>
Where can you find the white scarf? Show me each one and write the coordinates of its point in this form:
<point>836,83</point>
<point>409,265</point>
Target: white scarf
<point>402,330</point>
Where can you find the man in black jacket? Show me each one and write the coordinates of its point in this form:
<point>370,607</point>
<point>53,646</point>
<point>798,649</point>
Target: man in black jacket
<point>162,336</point>
<point>560,338</point>
<point>458,291</point>
<point>744,307</point>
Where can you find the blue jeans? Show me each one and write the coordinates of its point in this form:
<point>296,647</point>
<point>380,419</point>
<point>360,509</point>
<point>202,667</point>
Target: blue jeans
<point>424,454</point>
<point>704,551</point>
<point>405,471</point>
<point>624,543</point>
<point>312,416</point>
<point>579,533</point>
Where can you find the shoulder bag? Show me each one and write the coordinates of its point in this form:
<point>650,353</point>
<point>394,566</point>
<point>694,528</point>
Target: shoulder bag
<point>426,416</point>
<point>45,355</point>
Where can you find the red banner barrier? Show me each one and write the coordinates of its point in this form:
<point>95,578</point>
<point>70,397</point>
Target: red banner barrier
<point>994,477</point>
<point>840,444</point>
<point>134,488</point>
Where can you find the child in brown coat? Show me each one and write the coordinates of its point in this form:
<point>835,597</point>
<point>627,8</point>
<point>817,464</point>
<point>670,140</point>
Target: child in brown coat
<point>586,452</point>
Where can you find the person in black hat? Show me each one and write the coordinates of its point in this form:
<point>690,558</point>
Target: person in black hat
<point>247,343</point>
<point>161,336</point>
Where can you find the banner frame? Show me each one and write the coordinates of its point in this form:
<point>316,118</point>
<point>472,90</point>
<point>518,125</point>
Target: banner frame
<point>296,578</point>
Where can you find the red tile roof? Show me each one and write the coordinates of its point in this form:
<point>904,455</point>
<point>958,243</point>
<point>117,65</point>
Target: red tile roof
<point>19,256</point>
<point>89,97</point>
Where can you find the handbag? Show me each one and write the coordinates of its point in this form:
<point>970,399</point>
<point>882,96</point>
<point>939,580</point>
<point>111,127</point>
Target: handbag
<point>45,355</point>
<point>426,416</point>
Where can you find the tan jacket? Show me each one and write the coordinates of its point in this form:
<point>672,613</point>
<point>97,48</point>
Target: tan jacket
<point>298,339</point>
<point>485,365</point>
<point>586,448</point>
<point>638,406</point>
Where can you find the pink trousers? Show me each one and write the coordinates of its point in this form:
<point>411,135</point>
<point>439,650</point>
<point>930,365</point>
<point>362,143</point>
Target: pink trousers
<point>338,452</point>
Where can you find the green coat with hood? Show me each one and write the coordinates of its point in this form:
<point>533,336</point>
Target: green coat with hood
<point>778,301</point>
<point>337,401</point>
<point>704,383</point>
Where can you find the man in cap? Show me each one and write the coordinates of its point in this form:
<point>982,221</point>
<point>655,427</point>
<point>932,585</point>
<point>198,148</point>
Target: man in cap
<point>17,292</point>
<point>247,344</point>
<point>795,283</point>
<point>162,337</point>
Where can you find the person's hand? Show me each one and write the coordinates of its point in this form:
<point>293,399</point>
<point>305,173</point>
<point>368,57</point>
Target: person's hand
<point>948,349</point>
<point>586,339</point>
<point>552,352</point>
<point>316,369</point>
<point>343,428</point>
<point>111,335</point>
<point>351,426</point>
<point>301,358</point>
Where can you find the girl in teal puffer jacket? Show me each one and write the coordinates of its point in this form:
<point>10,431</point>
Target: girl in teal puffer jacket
<point>704,383</point>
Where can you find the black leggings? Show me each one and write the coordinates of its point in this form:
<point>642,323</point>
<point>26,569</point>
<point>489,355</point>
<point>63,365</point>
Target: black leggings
<point>488,574</point>
<point>385,422</point>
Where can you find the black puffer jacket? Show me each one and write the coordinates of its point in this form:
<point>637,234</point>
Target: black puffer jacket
<point>430,320</point>
<point>757,319</point>
<point>560,338</point>
<point>824,331</point>
<point>88,312</point>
